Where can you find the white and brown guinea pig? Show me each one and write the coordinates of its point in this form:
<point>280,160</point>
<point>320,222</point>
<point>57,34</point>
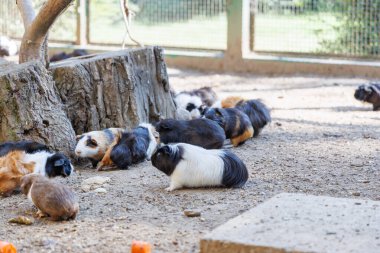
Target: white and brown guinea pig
<point>235,123</point>
<point>192,166</point>
<point>51,198</point>
<point>93,145</point>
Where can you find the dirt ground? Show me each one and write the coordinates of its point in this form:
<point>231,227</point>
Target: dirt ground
<point>321,141</point>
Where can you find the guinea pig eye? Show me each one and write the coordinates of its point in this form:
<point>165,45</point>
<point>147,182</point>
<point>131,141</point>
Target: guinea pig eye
<point>92,143</point>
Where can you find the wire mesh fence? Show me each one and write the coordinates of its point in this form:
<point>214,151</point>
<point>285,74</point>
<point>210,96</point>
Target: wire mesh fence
<point>199,24</point>
<point>11,25</point>
<point>321,27</point>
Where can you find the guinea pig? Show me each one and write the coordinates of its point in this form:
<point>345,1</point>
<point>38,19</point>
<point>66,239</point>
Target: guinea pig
<point>51,198</point>
<point>369,93</point>
<point>131,148</point>
<point>258,113</point>
<point>206,94</point>
<point>201,132</point>
<point>236,124</point>
<point>192,166</point>
<point>27,146</point>
<point>191,103</point>
<point>11,170</point>
<point>183,114</point>
<point>18,163</point>
<point>93,145</point>
<point>230,101</point>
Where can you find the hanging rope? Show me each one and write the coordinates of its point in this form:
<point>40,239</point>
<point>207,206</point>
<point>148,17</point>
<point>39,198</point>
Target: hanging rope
<point>127,15</point>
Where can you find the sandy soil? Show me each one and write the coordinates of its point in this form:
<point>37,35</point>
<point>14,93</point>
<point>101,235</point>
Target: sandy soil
<point>321,142</point>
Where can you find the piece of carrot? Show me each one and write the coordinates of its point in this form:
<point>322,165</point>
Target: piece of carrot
<point>141,247</point>
<point>6,247</point>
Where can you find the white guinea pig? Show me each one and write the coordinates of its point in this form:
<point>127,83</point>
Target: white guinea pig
<point>93,145</point>
<point>193,166</point>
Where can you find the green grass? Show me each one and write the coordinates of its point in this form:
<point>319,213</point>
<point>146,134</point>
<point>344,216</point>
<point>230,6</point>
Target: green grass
<point>301,33</point>
<point>106,26</point>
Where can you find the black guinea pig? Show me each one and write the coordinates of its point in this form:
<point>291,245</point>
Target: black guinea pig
<point>201,132</point>
<point>258,113</point>
<point>369,93</point>
<point>236,124</point>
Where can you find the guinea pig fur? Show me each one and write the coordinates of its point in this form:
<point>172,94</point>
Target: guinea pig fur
<point>230,101</point>
<point>93,145</point>
<point>236,124</point>
<point>201,132</point>
<point>131,148</point>
<point>369,93</point>
<point>206,94</point>
<point>27,146</point>
<point>51,198</point>
<point>190,103</point>
<point>11,170</point>
<point>258,113</point>
<point>193,166</point>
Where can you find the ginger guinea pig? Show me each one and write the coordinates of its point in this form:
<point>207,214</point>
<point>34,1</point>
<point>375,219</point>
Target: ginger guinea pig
<point>235,123</point>
<point>51,198</point>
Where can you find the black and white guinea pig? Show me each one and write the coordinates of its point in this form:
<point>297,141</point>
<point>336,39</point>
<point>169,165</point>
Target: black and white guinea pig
<point>201,132</point>
<point>27,146</point>
<point>191,103</point>
<point>369,93</point>
<point>235,123</point>
<point>131,147</point>
<point>46,162</point>
<point>206,94</point>
<point>193,166</point>
<point>258,113</point>
<point>93,145</point>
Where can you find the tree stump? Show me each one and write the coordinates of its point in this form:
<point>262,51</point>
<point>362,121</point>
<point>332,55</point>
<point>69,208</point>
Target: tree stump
<point>31,109</point>
<point>115,89</point>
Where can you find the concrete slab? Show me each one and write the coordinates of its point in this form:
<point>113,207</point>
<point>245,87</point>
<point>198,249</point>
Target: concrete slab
<point>300,223</point>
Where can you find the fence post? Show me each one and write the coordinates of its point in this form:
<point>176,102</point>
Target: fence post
<point>237,30</point>
<point>82,22</point>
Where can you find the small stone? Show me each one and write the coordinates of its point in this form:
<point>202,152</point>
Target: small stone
<point>356,194</point>
<point>23,220</point>
<point>93,183</point>
<point>100,190</point>
<point>192,213</point>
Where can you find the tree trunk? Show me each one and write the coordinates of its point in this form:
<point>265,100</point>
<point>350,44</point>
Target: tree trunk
<point>115,89</point>
<point>31,109</point>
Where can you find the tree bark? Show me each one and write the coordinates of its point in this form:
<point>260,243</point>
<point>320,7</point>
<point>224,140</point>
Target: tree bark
<point>31,109</point>
<point>116,89</point>
<point>34,42</point>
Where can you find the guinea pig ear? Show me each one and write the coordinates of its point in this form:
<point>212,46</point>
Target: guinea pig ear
<point>367,88</point>
<point>165,125</point>
<point>59,162</point>
<point>218,112</point>
<point>78,137</point>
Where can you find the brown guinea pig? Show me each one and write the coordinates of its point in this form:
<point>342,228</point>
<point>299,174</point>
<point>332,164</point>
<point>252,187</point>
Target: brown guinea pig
<point>236,124</point>
<point>51,198</point>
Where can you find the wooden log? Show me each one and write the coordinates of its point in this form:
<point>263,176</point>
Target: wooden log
<point>31,109</point>
<point>115,89</point>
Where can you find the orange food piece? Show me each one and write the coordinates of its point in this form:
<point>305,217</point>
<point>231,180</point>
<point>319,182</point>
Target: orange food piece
<point>141,247</point>
<point>6,247</point>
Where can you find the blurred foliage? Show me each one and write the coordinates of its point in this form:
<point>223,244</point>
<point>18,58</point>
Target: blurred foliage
<point>358,29</point>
